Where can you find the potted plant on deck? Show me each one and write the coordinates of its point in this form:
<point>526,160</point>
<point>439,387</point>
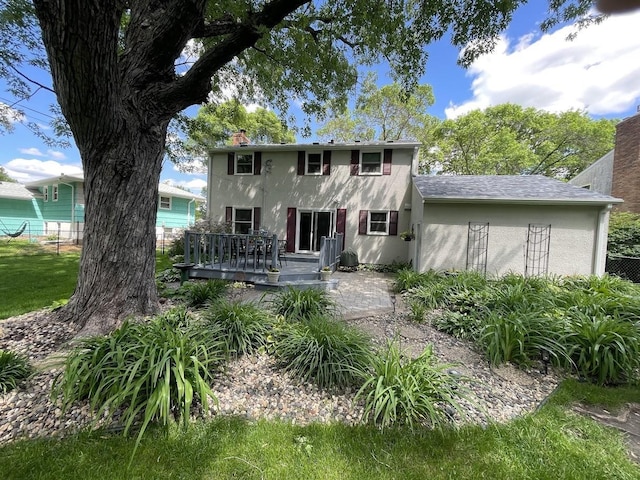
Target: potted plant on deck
<point>407,236</point>
<point>273,275</point>
<point>325,273</point>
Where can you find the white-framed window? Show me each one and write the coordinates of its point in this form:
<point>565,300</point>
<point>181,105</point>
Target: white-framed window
<point>54,193</point>
<point>370,163</point>
<point>242,220</point>
<point>244,164</point>
<point>165,203</point>
<point>378,223</point>
<point>45,193</point>
<point>314,163</point>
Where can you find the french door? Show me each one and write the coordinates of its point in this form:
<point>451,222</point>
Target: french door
<point>312,225</point>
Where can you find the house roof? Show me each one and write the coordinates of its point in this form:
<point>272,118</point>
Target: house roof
<point>529,189</point>
<point>163,188</point>
<point>15,191</point>
<point>400,144</point>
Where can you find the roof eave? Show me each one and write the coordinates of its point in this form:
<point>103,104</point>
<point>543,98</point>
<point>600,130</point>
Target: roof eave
<point>318,145</point>
<point>524,201</point>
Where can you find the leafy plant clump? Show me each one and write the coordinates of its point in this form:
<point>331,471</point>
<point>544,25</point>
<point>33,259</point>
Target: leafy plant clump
<point>300,305</point>
<point>14,368</point>
<point>402,391</point>
<point>324,351</point>
<point>150,372</point>
<point>243,326</point>
<point>199,294</point>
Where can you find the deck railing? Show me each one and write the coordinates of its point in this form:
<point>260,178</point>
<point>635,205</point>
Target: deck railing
<point>330,250</point>
<point>235,251</point>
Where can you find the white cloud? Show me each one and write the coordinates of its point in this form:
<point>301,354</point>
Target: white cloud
<point>8,115</point>
<point>32,151</point>
<point>26,170</point>
<point>194,185</point>
<point>598,71</point>
<point>56,154</point>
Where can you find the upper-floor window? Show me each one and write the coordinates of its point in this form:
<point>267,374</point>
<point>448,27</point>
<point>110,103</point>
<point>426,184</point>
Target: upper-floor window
<point>314,164</point>
<point>54,193</point>
<point>165,203</point>
<point>244,163</point>
<point>371,163</point>
<point>45,193</point>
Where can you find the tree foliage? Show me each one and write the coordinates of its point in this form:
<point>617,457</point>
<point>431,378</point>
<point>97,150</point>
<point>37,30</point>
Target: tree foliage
<point>511,140</point>
<point>385,113</point>
<point>122,70</point>
<point>215,123</point>
<point>624,234</point>
<point>4,177</point>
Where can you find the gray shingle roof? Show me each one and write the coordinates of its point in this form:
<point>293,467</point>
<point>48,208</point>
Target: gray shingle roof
<point>14,190</point>
<point>505,189</point>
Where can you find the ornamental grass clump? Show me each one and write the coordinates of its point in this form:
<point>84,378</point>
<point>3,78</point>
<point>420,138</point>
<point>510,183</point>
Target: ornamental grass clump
<point>242,326</point>
<point>300,305</point>
<point>604,350</point>
<point>413,392</point>
<point>199,294</point>
<point>14,368</point>
<point>149,372</point>
<point>324,351</point>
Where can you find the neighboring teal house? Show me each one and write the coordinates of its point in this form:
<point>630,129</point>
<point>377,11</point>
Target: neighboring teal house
<point>18,204</point>
<point>56,204</point>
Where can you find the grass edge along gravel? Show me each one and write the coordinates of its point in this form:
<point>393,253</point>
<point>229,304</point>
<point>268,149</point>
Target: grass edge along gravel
<point>552,443</point>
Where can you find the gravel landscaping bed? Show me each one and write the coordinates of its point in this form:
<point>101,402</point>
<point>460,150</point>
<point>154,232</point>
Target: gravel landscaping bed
<point>252,387</point>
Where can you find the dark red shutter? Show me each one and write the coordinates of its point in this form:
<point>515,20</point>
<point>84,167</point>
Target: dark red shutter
<point>229,214</point>
<point>291,230</point>
<point>257,163</point>
<point>355,162</point>
<point>341,224</point>
<point>256,218</point>
<point>231,163</point>
<point>362,224</point>
<point>386,161</point>
<point>301,158</point>
<point>393,222</point>
<point>326,162</point>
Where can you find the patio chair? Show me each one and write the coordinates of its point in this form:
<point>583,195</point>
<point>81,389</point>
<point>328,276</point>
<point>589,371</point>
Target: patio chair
<point>282,251</point>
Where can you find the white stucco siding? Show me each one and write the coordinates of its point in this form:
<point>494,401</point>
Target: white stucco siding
<point>572,240</point>
<point>279,188</point>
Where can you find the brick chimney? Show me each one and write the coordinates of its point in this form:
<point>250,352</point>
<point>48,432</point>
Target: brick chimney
<point>240,138</point>
<point>626,164</point>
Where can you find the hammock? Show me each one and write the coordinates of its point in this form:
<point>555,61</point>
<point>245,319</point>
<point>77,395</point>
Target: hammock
<point>17,233</point>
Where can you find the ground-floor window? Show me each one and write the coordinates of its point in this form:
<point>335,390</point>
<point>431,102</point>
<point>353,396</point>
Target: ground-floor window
<point>242,220</point>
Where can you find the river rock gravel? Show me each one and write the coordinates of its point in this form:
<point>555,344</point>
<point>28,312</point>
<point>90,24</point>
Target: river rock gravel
<point>254,388</point>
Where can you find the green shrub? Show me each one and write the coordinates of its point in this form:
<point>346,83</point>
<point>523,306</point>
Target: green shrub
<point>297,305</point>
<point>324,351</point>
<point>604,350</point>
<point>243,326</point>
<point>519,337</point>
<point>199,294</point>
<point>151,372</point>
<point>624,234</point>
<point>408,278</point>
<point>14,368</point>
<point>460,325</point>
<point>410,391</point>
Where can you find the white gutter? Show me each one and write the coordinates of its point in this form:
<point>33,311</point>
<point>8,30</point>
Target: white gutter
<point>193,200</point>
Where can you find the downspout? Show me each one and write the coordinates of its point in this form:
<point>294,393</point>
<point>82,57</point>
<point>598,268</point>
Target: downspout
<point>193,200</point>
<point>73,206</point>
<point>600,247</point>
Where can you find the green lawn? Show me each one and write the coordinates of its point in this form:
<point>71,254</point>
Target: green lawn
<point>33,278</point>
<point>549,444</point>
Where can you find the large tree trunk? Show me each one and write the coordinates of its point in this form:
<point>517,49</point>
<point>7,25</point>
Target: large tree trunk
<point>117,267</point>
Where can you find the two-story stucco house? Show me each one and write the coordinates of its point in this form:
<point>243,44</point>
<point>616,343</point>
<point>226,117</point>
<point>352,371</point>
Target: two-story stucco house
<point>302,192</point>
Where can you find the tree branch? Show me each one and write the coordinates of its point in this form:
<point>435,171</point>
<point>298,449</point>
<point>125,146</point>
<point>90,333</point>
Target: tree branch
<point>40,85</point>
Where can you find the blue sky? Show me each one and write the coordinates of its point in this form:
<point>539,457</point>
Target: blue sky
<point>598,72</point>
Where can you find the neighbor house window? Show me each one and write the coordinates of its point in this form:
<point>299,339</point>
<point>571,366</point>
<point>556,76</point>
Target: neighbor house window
<point>371,163</point>
<point>165,203</point>
<point>314,164</point>
<point>477,243</point>
<point>537,250</point>
<point>244,164</point>
<point>242,220</point>
<point>54,193</point>
<point>45,193</point>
